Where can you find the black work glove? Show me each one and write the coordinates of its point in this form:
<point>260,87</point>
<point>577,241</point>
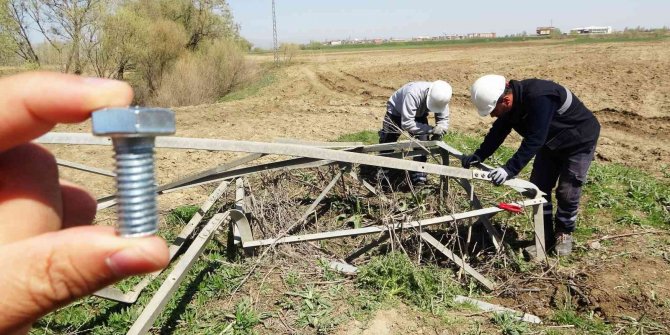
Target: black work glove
<point>469,160</point>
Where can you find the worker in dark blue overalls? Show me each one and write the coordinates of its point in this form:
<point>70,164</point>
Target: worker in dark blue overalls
<point>557,129</point>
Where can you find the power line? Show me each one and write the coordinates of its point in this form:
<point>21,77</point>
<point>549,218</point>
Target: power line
<point>274,32</point>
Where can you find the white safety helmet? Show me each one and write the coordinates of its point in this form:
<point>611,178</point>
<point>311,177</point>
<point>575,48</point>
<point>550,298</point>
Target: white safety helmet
<point>439,95</point>
<point>486,91</point>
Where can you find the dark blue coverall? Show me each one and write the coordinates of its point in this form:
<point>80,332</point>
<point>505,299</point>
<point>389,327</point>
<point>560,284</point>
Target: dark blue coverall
<point>561,133</point>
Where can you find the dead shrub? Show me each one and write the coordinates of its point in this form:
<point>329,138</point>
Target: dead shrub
<point>288,51</point>
<point>203,76</point>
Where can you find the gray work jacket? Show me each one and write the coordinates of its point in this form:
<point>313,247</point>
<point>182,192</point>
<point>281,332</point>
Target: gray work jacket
<point>409,103</point>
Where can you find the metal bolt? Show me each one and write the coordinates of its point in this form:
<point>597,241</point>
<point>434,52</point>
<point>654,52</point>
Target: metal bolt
<point>133,131</point>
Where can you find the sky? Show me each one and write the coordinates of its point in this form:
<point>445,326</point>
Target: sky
<point>300,21</point>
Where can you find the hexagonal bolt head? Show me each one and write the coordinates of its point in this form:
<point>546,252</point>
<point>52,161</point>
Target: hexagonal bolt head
<point>133,130</point>
<point>133,122</point>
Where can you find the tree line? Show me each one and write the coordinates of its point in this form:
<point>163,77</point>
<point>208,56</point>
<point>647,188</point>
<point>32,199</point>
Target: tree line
<point>140,41</point>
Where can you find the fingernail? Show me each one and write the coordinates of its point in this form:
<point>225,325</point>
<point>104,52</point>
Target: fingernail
<point>106,93</point>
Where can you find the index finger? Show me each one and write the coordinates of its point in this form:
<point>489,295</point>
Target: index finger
<point>33,103</point>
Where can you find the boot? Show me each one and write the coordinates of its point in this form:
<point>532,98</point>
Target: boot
<point>563,246</point>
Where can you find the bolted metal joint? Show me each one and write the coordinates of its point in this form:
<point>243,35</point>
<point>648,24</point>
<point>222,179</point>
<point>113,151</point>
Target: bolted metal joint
<point>133,130</point>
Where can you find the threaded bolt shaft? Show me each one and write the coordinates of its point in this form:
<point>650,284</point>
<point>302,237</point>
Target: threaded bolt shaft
<point>133,131</point>
<point>136,189</point>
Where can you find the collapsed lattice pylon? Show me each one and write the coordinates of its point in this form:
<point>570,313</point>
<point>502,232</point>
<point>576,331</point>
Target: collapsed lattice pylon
<point>306,155</point>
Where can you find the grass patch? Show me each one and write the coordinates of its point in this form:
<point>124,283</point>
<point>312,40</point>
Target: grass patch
<point>245,318</point>
<point>586,325</point>
<point>570,39</point>
<point>181,215</point>
<point>510,325</point>
<point>366,136</point>
<point>394,275</point>
<point>626,196</point>
<point>314,309</point>
<point>187,312</point>
<point>250,90</point>
<point>618,38</point>
<point>422,44</point>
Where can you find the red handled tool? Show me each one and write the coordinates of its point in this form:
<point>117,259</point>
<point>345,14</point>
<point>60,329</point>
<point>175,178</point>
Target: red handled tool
<point>510,207</point>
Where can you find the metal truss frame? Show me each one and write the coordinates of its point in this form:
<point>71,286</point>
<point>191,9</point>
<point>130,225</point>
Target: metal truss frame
<point>196,234</point>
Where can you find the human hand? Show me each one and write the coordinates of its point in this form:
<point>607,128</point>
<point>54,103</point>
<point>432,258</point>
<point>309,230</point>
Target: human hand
<point>499,176</point>
<point>49,256</point>
<point>469,160</point>
<point>435,137</point>
<point>439,130</point>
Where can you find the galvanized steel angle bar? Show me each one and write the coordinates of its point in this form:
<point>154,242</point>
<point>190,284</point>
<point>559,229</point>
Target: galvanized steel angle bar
<point>365,184</point>
<point>319,143</point>
<point>113,293</point>
<point>289,164</point>
<point>458,261</point>
<point>240,207</point>
<point>520,185</point>
<point>319,198</point>
<point>108,201</point>
<point>155,306</point>
<point>400,145</point>
<point>242,234</point>
<point>538,219</point>
<point>84,168</point>
<point>239,195</point>
<point>221,168</point>
<point>495,235</point>
<point>386,228</point>
<point>444,180</point>
<point>278,149</point>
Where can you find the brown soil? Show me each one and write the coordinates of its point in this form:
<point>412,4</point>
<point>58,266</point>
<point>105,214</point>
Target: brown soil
<point>325,95</point>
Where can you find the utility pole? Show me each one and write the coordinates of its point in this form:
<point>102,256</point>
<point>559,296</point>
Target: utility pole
<point>274,33</point>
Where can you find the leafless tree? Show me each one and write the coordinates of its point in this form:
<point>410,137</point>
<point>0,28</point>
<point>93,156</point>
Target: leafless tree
<point>14,25</point>
<point>65,25</point>
<point>111,45</point>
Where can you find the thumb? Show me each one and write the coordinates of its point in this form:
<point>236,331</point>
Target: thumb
<point>40,274</point>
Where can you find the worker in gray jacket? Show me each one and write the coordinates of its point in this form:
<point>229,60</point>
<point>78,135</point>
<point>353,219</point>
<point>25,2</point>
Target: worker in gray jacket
<point>407,112</point>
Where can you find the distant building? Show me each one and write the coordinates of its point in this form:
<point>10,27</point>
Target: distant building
<point>335,43</point>
<point>544,31</point>
<point>481,35</point>
<point>422,38</point>
<point>591,30</point>
<point>452,37</point>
